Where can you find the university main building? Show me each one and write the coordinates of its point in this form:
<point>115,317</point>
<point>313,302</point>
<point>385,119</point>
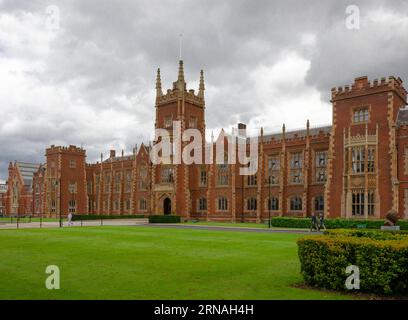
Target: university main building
<point>358,167</point>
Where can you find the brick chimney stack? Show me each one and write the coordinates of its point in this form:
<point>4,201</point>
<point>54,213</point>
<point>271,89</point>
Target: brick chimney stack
<point>241,129</point>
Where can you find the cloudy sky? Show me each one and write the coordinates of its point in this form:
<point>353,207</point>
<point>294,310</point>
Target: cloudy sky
<point>83,71</point>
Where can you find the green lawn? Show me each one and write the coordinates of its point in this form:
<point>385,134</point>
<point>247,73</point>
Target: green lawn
<point>239,225</point>
<point>151,263</point>
<point>230,224</point>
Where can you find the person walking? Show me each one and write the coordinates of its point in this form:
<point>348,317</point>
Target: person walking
<point>315,225</point>
<point>321,221</point>
<point>70,219</point>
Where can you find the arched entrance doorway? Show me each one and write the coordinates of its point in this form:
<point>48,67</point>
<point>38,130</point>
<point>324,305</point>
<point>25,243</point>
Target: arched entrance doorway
<point>167,206</point>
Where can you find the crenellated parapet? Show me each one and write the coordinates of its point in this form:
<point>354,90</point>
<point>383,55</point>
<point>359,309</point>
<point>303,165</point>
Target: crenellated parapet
<point>173,95</point>
<point>362,86</point>
<point>66,150</point>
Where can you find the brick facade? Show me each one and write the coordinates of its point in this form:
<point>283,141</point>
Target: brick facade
<point>3,191</point>
<point>358,167</point>
<point>19,196</point>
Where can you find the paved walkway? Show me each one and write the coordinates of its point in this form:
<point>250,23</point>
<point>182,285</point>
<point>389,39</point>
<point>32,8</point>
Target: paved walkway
<point>145,223</point>
<point>226,228</point>
<point>87,223</point>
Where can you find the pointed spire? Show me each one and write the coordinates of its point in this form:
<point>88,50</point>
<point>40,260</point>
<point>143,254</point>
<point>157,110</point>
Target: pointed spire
<point>159,91</point>
<point>202,86</point>
<point>181,72</point>
<point>308,127</point>
<point>101,157</point>
<point>180,84</point>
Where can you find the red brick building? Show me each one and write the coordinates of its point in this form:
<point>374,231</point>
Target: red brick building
<point>61,184</point>
<point>3,191</point>
<point>368,149</point>
<point>120,184</point>
<point>19,196</point>
<point>358,167</point>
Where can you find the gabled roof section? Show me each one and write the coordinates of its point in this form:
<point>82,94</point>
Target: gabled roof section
<point>27,171</point>
<point>222,135</point>
<point>143,149</point>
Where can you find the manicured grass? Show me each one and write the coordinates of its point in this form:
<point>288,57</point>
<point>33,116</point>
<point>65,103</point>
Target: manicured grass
<point>230,224</point>
<point>152,263</point>
<point>239,225</point>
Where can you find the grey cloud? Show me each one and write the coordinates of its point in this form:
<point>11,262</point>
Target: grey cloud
<point>106,54</point>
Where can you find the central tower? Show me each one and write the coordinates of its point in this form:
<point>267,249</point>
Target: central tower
<point>171,189</point>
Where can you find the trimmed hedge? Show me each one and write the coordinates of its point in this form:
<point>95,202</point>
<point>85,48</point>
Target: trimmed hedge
<point>289,222</point>
<point>77,217</point>
<point>371,234</point>
<point>382,258</point>
<point>164,219</point>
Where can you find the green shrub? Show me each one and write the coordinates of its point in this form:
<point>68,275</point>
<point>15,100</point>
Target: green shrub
<point>78,217</point>
<point>338,223</point>
<point>382,258</point>
<point>285,222</point>
<point>164,219</point>
<point>371,234</point>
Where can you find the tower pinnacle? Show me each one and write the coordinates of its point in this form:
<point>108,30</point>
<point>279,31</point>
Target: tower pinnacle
<point>181,72</point>
<point>202,86</point>
<point>181,84</point>
<point>159,91</point>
